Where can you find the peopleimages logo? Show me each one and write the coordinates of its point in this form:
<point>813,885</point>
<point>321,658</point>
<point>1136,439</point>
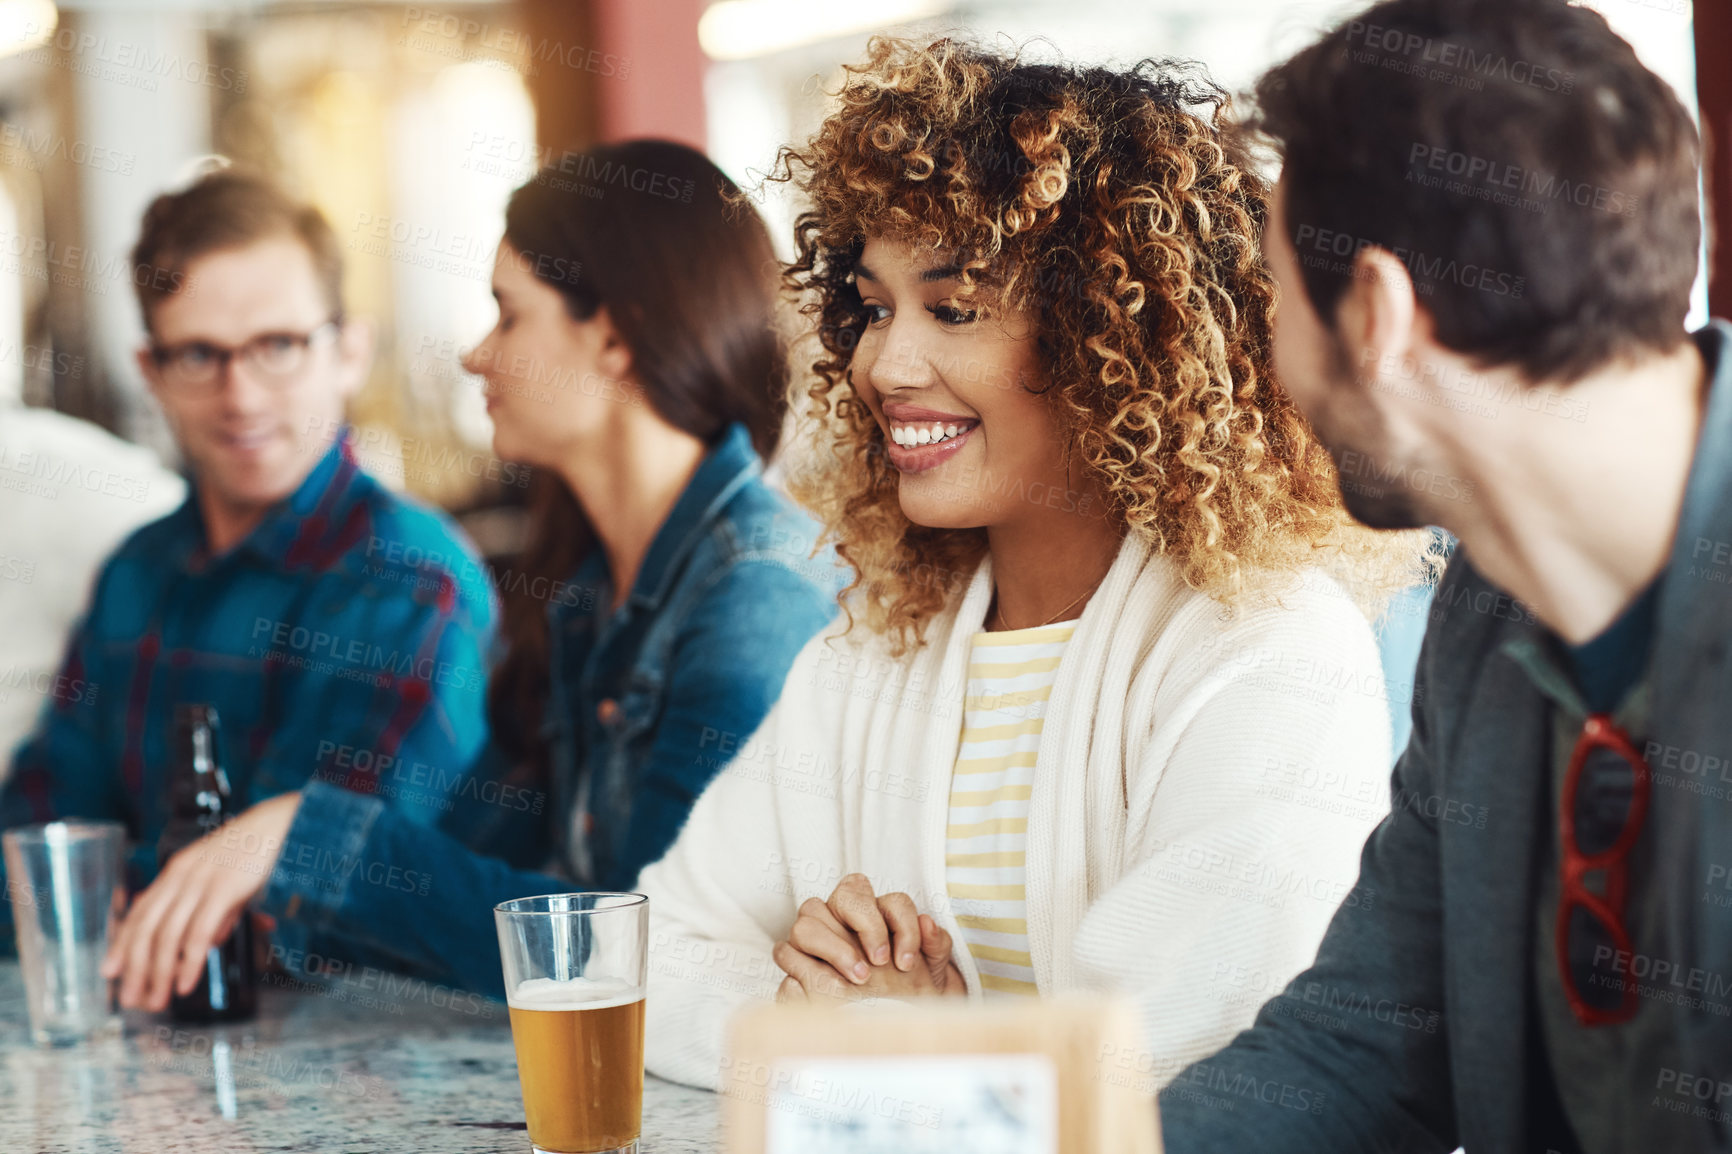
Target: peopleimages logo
<point>299,647</point>
<point>338,762</point>
<point>587,171</point>
<point>45,145</point>
<point>70,690</point>
<point>147,65</point>
<point>424,28</point>
<point>1449,61</point>
<point>1315,245</point>
<point>1526,188</point>
<point>56,474</point>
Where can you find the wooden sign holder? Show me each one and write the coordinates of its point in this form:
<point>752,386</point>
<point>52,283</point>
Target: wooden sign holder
<point>1086,1037</point>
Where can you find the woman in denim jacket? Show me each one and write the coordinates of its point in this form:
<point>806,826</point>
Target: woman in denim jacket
<point>649,622</point>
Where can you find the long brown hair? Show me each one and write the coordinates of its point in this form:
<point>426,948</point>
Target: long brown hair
<point>660,236</point>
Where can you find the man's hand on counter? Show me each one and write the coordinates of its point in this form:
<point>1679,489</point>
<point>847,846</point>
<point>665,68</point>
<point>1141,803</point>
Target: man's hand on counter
<point>160,946</point>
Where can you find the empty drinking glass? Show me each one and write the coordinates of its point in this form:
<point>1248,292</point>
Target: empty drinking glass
<point>61,878</point>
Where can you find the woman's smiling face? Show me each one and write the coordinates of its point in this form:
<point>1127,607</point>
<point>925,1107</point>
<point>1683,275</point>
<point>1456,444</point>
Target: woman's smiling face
<point>951,390</point>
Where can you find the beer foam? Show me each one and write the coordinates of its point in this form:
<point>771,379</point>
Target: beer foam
<point>573,994</point>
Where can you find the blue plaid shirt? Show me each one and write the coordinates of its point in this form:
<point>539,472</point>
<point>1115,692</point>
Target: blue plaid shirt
<point>346,634</point>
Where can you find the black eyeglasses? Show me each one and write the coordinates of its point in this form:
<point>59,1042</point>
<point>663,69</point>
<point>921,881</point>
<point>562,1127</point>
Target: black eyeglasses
<point>274,358</point>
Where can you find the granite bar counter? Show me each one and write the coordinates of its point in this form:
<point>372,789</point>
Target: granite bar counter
<point>344,1070</point>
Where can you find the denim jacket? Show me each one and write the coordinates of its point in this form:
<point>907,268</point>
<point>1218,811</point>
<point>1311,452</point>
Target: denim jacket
<point>642,702</point>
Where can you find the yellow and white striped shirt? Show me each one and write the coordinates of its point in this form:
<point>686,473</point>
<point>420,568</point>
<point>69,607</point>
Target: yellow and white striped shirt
<point>1010,677</point>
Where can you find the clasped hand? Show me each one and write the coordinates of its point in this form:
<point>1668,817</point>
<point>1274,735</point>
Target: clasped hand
<point>864,945</point>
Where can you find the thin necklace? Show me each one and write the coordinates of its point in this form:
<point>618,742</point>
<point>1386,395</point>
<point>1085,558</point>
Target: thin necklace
<point>998,612</point>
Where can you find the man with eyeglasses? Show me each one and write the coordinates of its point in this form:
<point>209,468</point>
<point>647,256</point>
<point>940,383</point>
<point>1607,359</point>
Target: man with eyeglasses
<point>341,631</point>
<point>1486,233</point>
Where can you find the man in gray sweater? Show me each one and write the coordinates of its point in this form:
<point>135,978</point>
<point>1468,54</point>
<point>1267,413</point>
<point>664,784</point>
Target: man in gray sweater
<point>1485,234</point>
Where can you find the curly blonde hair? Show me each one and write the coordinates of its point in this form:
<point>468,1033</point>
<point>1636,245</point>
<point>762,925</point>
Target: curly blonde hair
<point>1115,209</point>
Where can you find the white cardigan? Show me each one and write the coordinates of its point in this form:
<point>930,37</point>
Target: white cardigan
<point>1204,785</point>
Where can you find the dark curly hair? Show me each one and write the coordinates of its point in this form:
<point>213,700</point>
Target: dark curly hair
<point>1112,207</point>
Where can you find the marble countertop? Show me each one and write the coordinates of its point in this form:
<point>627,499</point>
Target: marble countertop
<point>338,1071</point>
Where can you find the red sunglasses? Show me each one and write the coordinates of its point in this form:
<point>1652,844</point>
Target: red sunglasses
<point>1589,923</point>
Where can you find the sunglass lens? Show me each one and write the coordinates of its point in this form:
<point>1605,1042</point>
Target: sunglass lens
<point>1594,961</point>
<point>1604,796</point>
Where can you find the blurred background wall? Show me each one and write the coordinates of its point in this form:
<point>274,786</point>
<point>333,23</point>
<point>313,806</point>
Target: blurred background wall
<point>410,125</point>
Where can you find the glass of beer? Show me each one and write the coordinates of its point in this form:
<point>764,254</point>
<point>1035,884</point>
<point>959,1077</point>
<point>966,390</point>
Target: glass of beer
<point>574,981</point>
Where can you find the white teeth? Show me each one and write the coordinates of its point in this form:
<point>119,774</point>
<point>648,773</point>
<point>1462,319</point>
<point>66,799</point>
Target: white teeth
<point>925,434</point>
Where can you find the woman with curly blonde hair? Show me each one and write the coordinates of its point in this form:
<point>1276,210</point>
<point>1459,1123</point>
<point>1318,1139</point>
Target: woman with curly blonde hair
<point>1095,713</point>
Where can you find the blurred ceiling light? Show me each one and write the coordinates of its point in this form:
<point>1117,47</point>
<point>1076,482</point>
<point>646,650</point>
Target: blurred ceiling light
<point>26,24</point>
<point>740,29</point>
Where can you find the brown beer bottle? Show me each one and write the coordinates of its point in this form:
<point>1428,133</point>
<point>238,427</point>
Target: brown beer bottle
<point>199,801</point>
